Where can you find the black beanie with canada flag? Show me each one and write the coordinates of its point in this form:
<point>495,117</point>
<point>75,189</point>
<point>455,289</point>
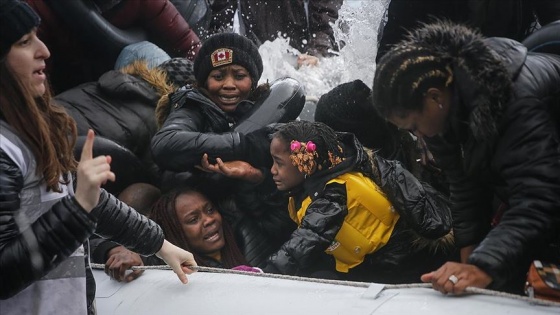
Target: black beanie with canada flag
<point>223,49</point>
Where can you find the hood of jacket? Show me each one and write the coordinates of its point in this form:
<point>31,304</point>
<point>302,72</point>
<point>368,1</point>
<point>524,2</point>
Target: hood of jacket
<point>483,84</point>
<point>135,81</point>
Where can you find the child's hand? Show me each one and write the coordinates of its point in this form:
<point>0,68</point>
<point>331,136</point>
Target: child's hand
<point>233,169</point>
<point>91,174</point>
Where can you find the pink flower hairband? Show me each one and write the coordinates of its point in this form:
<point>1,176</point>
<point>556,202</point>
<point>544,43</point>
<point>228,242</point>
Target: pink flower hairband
<point>309,146</point>
<point>303,156</point>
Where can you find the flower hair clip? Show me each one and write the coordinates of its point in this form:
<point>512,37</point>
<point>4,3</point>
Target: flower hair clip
<point>303,155</point>
<point>309,146</point>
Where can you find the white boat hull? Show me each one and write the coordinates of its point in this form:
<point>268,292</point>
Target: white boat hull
<point>160,292</point>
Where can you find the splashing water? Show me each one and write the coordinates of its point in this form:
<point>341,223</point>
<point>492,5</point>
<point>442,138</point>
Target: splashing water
<point>356,28</point>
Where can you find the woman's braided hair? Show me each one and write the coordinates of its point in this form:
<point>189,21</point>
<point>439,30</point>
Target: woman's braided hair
<point>403,76</point>
<point>439,55</point>
<point>313,145</point>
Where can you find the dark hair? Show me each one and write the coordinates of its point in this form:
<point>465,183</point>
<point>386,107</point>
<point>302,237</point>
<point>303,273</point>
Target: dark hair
<point>404,74</point>
<point>324,137</point>
<point>17,18</point>
<point>443,54</point>
<point>164,213</point>
<point>45,127</point>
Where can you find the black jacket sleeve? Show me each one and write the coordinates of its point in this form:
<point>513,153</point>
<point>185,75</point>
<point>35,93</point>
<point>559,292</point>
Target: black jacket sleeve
<point>425,210</point>
<point>184,137</point>
<point>120,223</point>
<point>49,240</point>
<point>471,199</point>
<point>321,222</point>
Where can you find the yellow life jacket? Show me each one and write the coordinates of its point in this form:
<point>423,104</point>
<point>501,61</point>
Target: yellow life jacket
<point>368,225</point>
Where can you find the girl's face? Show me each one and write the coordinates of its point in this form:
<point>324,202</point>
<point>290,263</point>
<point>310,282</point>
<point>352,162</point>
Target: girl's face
<point>201,223</point>
<point>228,86</point>
<point>26,59</point>
<point>431,120</point>
<point>286,176</point>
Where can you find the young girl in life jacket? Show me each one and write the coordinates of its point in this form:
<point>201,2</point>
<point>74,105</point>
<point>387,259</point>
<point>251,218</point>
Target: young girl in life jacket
<point>359,217</point>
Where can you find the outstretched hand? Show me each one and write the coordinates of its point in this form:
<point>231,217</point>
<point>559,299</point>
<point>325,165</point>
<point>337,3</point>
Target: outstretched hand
<point>178,259</point>
<point>455,277</point>
<point>91,174</point>
<point>119,261</point>
<point>233,169</point>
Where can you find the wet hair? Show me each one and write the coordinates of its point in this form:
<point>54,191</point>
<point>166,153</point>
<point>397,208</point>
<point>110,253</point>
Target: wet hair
<point>43,125</point>
<point>328,149</point>
<point>164,213</point>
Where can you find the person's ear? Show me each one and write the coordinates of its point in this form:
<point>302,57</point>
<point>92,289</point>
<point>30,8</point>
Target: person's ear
<point>434,94</point>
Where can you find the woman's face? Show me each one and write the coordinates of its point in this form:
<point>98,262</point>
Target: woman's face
<point>26,59</point>
<point>285,175</point>
<point>430,121</point>
<point>228,86</point>
<point>201,223</point>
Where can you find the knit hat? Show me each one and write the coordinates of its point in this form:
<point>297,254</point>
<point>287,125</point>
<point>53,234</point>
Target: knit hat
<point>16,19</point>
<point>348,108</point>
<point>224,49</point>
<point>145,50</point>
<point>179,70</point>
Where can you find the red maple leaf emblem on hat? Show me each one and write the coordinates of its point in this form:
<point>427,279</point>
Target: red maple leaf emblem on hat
<point>221,57</point>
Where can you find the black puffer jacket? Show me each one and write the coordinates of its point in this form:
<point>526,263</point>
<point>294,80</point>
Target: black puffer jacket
<point>502,140</point>
<point>425,215</point>
<point>194,126</point>
<point>118,106</point>
<point>61,230</point>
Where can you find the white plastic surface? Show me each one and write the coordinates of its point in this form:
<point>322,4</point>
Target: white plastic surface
<point>160,292</point>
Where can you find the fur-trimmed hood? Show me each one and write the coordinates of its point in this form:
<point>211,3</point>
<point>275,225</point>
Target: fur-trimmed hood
<point>483,70</point>
<point>152,85</point>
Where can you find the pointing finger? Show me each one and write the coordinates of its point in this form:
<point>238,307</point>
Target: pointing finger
<point>87,150</point>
